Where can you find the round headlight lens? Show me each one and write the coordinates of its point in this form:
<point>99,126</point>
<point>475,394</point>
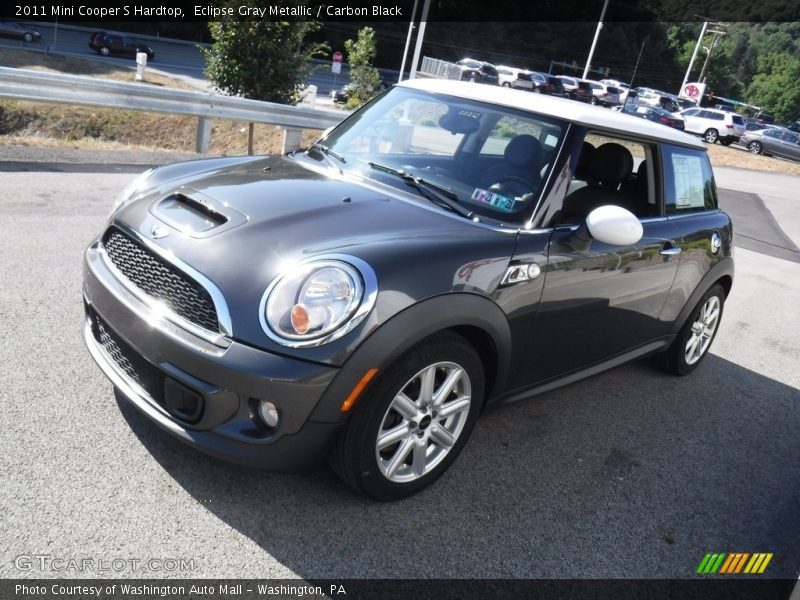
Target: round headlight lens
<point>313,300</point>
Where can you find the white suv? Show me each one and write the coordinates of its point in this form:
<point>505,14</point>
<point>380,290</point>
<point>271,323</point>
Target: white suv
<point>514,78</point>
<point>605,95</point>
<point>714,125</point>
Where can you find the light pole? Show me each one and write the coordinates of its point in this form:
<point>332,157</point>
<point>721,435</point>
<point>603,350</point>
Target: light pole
<point>420,36</point>
<point>408,42</point>
<point>594,42</point>
<point>694,56</point>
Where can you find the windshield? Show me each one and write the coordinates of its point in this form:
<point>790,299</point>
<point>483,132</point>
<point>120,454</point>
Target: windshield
<point>491,159</point>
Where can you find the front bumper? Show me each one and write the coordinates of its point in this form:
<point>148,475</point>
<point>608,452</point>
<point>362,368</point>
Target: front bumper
<point>124,336</point>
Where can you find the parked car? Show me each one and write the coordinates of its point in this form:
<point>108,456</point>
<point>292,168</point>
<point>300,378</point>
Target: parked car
<point>547,84</point>
<point>106,44</point>
<point>655,114</point>
<point>478,71</point>
<point>514,78</point>
<point>623,87</point>
<point>714,125</point>
<point>19,31</point>
<point>753,125</point>
<point>367,298</point>
<point>772,141</point>
<point>604,95</point>
<point>651,97</point>
<point>576,89</point>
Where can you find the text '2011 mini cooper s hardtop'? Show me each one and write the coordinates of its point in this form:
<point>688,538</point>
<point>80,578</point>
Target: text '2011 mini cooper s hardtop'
<point>447,247</point>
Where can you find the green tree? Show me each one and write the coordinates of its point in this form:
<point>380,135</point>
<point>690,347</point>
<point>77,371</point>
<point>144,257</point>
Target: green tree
<point>260,59</point>
<point>365,80</point>
<point>777,85</point>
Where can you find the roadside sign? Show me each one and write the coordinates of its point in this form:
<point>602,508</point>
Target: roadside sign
<point>336,67</point>
<point>693,91</point>
<point>337,57</point>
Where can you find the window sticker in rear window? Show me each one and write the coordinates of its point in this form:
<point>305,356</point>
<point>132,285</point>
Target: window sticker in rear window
<point>497,201</point>
<point>689,181</point>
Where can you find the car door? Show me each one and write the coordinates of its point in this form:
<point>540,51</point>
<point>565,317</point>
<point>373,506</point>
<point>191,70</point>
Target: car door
<point>598,301</point>
<point>771,141</point>
<point>790,145</point>
<point>692,119</point>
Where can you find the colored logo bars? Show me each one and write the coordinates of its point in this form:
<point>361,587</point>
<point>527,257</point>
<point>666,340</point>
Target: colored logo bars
<point>732,563</point>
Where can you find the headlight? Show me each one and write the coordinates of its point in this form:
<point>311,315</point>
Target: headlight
<point>318,301</point>
<point>130,190</point>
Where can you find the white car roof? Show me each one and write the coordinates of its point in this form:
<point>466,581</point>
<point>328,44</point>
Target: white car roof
<point>559,108</point>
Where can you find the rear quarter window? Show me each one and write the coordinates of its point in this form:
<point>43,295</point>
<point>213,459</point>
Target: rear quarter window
<point>688,181</point>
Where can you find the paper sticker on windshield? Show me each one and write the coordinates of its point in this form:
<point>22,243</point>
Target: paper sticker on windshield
<point>498,201</point>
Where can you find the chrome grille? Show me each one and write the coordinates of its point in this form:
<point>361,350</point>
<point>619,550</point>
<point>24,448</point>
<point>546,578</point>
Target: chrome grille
<point>161,280</point>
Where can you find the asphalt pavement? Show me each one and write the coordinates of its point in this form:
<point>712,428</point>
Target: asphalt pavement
<point>631,474</point>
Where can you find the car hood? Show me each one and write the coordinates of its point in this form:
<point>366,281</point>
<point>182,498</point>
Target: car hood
<point>242,222</point>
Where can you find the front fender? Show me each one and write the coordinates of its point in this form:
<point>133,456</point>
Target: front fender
<point>476,317</point>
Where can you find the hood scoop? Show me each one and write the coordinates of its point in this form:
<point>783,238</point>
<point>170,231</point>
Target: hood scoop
<point>195,214</point>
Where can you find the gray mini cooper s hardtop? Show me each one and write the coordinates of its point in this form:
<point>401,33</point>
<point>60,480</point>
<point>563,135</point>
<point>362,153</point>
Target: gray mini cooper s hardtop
<point>446,248</point>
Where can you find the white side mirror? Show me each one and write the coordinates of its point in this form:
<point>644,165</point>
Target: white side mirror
<point>614,225</point>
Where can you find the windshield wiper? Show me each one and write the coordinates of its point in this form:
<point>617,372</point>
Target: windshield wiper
<point>439,195</point>
<point>328,152</point>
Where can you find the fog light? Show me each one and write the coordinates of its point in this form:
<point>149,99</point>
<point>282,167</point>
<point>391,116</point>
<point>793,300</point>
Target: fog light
<point>268,413</point>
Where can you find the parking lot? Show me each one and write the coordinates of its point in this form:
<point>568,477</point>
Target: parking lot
<point>630,474</point>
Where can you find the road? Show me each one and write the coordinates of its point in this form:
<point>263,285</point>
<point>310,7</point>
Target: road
<point>629,474</point>
<point>175,58</point>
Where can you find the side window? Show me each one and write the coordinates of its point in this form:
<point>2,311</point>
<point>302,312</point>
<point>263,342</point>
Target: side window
<point>691,112</point>
<point>790,137</point>
<point>688,181</point>
<point>610,170</point>
<point>771,133</point>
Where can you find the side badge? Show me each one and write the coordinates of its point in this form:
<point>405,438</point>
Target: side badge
<point>158,231</point>
<point>716,242</point>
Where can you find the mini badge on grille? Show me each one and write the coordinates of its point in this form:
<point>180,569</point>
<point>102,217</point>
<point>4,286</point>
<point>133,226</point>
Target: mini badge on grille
<point>158,232</point>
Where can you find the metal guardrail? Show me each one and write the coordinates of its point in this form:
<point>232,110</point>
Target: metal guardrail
<point>22,84</point>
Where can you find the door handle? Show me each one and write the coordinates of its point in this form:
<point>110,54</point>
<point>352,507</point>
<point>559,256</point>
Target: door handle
<point>669,250</point>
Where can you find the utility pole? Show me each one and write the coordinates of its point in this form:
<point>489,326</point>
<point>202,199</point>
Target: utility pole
<point>594,42</point>
<point>636,68</point>
<point>716,33</point>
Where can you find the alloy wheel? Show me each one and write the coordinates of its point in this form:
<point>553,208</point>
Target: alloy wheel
<point>702,331</point>
<point>423,422</point>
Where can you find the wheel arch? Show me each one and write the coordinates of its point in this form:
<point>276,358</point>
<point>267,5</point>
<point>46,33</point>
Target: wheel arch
<point>721,273</point>
<point>475,318</point>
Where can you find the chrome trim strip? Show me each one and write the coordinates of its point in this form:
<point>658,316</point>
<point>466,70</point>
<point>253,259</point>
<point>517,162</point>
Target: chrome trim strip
<point>370,282</point>
<point>151,311</point>
<point>223,314</point>
<point>127,386</point>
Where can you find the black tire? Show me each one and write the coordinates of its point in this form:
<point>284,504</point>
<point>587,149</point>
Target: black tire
<point>28,37</point>
<point>674,359</point>
<point>726,142</point>
<point>356,457</point>
<point>593,101</point>
<point>711,135</point>
<point>506,84</point>
<point>755,148</point>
